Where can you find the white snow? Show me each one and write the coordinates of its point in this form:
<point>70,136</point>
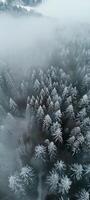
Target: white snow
<point>27,8</point>
<point>3,1</point>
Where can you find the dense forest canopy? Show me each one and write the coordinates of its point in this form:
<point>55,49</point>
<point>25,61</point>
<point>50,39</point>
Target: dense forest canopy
<point>44,104</point>
<point>27,2</point>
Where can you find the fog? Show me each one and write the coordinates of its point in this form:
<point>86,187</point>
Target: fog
<point>27,41</point>
<point>30,40</point>
<point>67,10</point>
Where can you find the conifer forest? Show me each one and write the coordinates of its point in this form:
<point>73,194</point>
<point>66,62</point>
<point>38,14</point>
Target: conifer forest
<point>44,101</point>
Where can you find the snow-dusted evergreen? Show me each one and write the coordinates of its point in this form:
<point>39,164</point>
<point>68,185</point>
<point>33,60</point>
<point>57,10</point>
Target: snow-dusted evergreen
<point>49,111</point>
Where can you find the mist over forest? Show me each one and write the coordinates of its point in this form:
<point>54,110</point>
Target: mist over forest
<point>45,100</point>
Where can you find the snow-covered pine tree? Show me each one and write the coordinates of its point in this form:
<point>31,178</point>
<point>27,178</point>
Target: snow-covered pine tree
<point>53,108</point>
